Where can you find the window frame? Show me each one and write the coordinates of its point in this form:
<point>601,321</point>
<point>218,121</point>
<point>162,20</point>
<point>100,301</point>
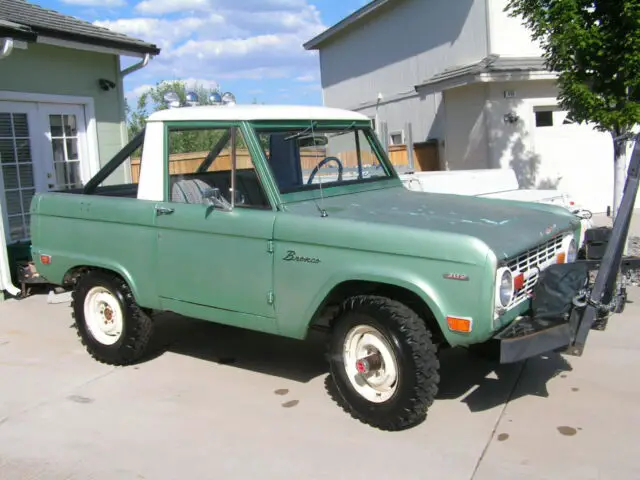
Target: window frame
<point>312,191</point>
<point>256,159</point>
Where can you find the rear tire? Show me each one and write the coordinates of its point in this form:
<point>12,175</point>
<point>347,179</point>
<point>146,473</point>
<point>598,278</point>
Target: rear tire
<point>399,382</point>
<point>111,326</point>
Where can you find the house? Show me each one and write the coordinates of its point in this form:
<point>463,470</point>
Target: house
<point>62,110</point>
<point>465,77</point>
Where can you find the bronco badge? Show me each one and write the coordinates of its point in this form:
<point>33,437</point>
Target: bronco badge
<point>292,257</point>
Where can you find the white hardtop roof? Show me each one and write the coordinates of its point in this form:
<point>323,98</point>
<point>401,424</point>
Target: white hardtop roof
<point>254,112</point>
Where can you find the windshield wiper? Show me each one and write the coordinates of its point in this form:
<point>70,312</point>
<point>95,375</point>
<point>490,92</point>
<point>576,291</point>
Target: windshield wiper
<point>300,134</point>
<point>331,135</point>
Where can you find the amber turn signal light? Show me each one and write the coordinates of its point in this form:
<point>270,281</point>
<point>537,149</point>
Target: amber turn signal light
<point>45,259</point>
<point>462,325</point>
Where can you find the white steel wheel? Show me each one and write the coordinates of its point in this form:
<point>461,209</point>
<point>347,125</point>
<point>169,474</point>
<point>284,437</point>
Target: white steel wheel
<point>370,364</point>
<point>103,315</point>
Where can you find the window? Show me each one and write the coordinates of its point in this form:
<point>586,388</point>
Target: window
<point>396,138</point>
<point>544,118</point>
<point>17,173</point>
<point>64,143</point>
<point>303,158</point>
<point>201,169</point>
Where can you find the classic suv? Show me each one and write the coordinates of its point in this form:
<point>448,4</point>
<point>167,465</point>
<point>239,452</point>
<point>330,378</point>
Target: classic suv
<point>283,219</point>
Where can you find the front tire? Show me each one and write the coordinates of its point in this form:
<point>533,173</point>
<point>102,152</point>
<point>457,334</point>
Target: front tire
<point>383,363</point>
<point>111,326</point>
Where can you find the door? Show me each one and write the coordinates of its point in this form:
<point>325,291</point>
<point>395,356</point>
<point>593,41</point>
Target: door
<point>18,175</point>
<point>66,165</point>
<point>43,147</point>
<point>214,256</point>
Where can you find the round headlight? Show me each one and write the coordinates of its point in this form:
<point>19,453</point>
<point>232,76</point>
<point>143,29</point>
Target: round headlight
<point>505,287</point>
<point>572,251</point>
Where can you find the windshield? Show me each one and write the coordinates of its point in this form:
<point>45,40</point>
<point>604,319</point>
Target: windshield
<point>302,158</point>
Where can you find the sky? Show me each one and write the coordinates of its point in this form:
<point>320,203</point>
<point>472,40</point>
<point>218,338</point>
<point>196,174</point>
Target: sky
<point>252,48</point>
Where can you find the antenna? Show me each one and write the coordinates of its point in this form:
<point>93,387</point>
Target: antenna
<point>323,212</point>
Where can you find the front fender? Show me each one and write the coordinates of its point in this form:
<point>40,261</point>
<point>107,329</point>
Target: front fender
<point>427,279</point>
<point>409,282</point>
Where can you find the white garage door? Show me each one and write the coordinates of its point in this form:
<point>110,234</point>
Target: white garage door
<point>573,158</point>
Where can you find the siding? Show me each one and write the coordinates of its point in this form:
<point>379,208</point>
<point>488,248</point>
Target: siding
<point>53,70</point>
<point>397,49</point>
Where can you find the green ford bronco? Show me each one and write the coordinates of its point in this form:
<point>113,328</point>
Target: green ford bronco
<point>285,219</point>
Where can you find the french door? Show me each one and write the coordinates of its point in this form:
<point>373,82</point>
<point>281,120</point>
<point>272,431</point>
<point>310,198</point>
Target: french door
<point>42,148</point>
<point>65,130</point>
<point>19,178</point>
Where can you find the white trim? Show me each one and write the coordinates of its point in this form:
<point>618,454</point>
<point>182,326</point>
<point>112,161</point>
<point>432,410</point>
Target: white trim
<point>516,76</point>
<point>5,273</point>
<point>90,117</point>
<point>397,132</point>
<point>87,47</point>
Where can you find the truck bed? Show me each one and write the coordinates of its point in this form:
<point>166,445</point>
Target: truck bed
<point>127,190</point>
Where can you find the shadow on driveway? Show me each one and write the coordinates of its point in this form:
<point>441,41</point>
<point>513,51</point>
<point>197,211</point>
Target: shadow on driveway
<point>481,384</point>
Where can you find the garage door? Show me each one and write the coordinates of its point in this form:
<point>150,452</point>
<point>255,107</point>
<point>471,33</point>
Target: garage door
<point>573,158</point>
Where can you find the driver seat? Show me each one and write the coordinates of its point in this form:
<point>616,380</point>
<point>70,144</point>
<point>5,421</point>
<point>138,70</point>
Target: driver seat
<point>284,159</point>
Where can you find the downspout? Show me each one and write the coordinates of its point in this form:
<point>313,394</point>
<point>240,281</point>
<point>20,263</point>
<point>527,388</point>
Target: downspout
<point>136,66</point>
<point>487,12</point>
<point>7,48</point>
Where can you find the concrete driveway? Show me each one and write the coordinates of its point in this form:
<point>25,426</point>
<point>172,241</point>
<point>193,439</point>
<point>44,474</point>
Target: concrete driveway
<point>221,403</point>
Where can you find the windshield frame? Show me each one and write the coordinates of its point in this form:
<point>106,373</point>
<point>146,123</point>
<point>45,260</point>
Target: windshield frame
<point>314,191</point>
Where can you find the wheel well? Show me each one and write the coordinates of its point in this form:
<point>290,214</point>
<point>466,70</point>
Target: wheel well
<point>74,273</point>
<point>326,313</point>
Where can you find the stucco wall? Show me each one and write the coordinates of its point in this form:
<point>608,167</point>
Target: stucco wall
<point>46,69</point>
<point>466,142</point>
<point>508,36</point>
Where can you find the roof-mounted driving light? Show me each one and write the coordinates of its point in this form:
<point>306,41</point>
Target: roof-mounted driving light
<point>172,99</point>
<point>228,98</point>
<point>215,98</point>
<point>192,99</point>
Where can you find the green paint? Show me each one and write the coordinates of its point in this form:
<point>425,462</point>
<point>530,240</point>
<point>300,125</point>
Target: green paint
<point>51,70</point>
<point>272,269</point>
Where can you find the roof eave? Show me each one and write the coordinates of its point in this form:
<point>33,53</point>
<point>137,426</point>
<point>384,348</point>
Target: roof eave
<point>100,42</point>
<point>484,77</point>
<point>20,35</point>
<point>345,23</point>
<point>16,32</point>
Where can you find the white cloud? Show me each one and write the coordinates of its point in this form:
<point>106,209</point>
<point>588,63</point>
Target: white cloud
<point>223,40</point>
<point>306,78</point>
<point>96,3</point>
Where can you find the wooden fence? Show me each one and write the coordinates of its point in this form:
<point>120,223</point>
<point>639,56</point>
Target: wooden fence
<point>425,159</point>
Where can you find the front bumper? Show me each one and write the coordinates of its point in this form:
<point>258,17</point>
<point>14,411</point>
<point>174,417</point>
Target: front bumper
<point>528,337</point>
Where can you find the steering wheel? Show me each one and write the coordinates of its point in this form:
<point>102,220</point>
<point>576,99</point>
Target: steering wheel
<point>324,162</point>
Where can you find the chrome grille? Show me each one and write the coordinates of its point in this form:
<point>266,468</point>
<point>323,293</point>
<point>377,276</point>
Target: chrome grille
<point>530,263</point>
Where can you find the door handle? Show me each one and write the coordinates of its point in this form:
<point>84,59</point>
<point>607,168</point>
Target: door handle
<point>164,210</point>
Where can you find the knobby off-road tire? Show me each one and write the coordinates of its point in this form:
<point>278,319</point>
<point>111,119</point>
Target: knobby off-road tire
<point>120,333</point>
<point>365,323</point>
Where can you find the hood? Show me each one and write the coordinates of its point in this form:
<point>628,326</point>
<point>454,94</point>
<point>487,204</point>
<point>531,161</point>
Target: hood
<point>507,227</point>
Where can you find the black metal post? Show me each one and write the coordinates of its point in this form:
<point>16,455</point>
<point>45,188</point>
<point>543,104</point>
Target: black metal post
<point>606,278</point>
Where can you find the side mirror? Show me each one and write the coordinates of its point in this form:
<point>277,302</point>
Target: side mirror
<point>214,198</point>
